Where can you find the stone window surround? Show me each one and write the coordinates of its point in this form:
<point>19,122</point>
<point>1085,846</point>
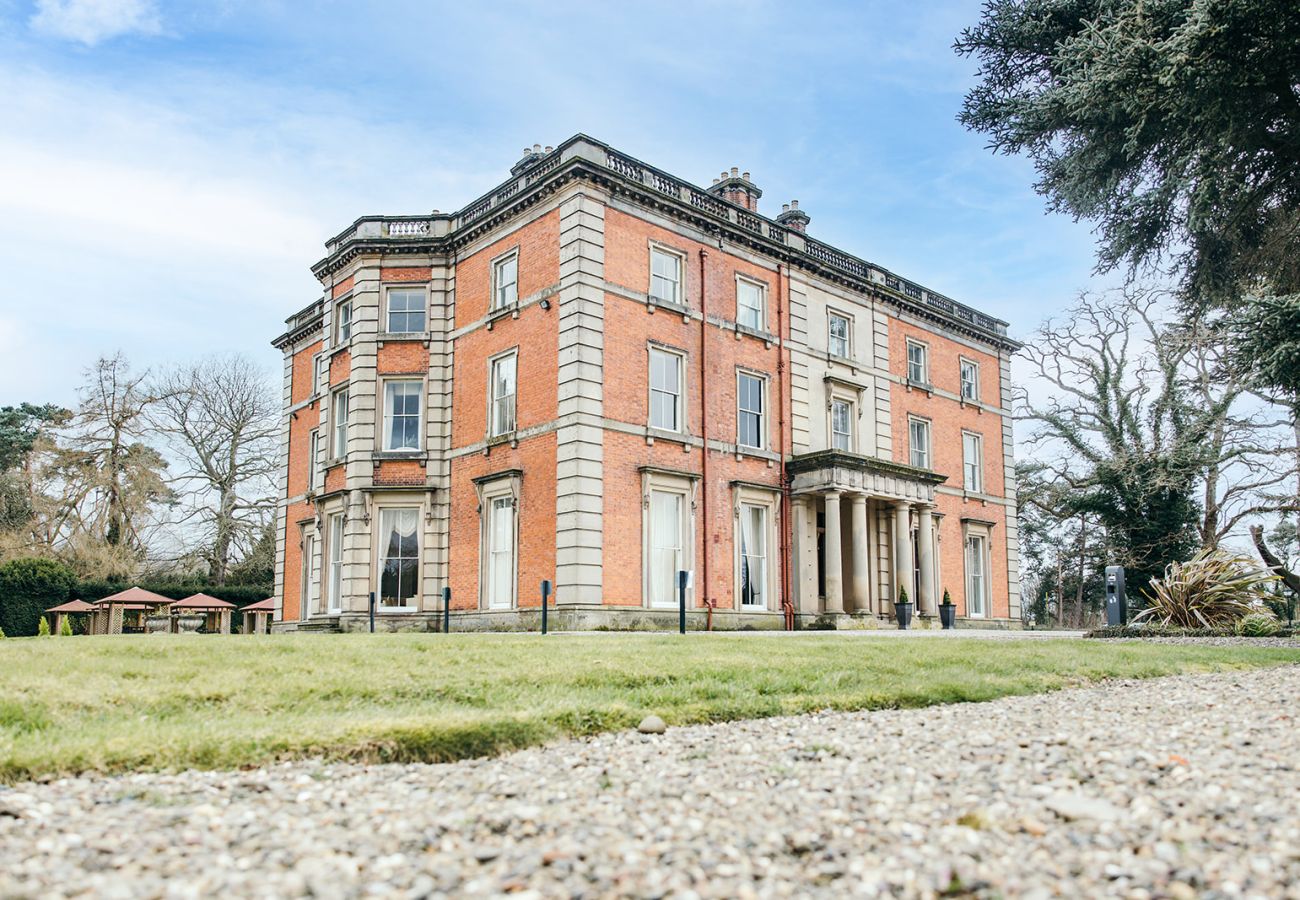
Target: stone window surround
<point>334,452</point>
<point>376,503</point>
<point>487,488</point>
<point>335,511</point>
<point>381,433</point>
<point>385,289</point>
<point>308,539</point>
<point>836,312</point>
<point>338,341</point>
<point>746,493</point>
<point>687,485</point>
<point>971,527</point>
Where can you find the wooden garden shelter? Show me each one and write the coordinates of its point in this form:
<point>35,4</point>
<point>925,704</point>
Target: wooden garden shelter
<point>257,616</point>
<point>71,608</point>
<point>217,611</point>
<point>111,612</point>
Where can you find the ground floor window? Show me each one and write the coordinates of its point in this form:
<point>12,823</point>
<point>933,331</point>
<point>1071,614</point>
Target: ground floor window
<point>399,562</point>
<point>665,546</point>
<point>976,575</point>
<point>310,583</point>
<point>501,553</point>
<point>753,555</point>
<point>335,538</point>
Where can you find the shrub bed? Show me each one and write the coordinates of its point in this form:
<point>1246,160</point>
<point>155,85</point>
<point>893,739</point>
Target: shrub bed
<point>1173,631</point>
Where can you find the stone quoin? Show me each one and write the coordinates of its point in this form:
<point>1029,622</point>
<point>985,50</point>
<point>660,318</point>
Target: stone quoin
<point>600,374</point>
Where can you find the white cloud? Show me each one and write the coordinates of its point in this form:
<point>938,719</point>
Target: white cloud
<point>92,21</point>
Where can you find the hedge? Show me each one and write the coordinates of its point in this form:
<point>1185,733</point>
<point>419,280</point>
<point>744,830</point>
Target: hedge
<point>1170,631</point>
<point>28,587</point>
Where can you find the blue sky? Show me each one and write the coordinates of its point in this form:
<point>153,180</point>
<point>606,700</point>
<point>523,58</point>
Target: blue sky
<point>169,171</point>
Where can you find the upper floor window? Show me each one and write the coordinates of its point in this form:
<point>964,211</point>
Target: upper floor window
<point>339,411</point>
<point>313,448</point>
<point>918,363</point>
<point>665,276</point>
<point>402,415</point>
<point>918,438</point>
<point>838,336</point>
<point>972,453</point>
<point>501,416</point>
<point>665,390</point>
<point>505,282</point>
<point>750,411</point>
<point>970,380</point>
<point>406,310</point>
<point>343,318</point>
<point>750,305</point>
<point>841,425</point>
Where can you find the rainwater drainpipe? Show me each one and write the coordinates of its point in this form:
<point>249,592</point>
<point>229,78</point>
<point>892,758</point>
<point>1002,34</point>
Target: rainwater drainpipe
<point>704,434</point>
<point>787,605</point>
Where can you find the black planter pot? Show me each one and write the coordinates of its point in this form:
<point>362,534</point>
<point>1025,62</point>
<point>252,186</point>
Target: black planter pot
<point>903,613</point>
<point>948,614</point>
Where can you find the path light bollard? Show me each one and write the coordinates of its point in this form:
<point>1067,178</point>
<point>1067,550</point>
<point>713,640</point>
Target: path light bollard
<point>682,577</point>
<point>1116,602</point>
<point>446,610</point>
<point>546,592</point>
<point>372,612</point>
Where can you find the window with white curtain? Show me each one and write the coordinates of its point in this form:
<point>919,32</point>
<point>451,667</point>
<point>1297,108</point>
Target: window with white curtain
<point>841,425</point>
<point>972,452</point>
<point>665,276</point>
<point>501,553</point>
<point>666,546</point>
<point>501,417</point>
<point>753,555</point>
<point>750,305</point>
<point>402,415</point>
<point>838,337</point>
<point>970,380</point>
<point>665,389</point>
<point>399,562</point>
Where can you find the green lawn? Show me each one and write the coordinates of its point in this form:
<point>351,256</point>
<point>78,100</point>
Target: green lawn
<point>121,703</point>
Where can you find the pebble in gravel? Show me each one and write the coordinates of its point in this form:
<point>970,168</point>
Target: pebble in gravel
<point>1179,787</point>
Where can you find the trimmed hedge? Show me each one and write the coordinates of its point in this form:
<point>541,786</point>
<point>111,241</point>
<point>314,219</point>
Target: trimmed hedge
<point>28,587</point>
<point>241,595</point>
<point>1167,631</point>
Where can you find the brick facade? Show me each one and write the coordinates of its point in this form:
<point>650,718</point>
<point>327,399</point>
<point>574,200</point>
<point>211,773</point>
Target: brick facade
<point>550,278</point>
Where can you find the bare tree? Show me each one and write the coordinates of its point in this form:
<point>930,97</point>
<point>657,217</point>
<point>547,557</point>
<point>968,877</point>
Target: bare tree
<point>221,417</point>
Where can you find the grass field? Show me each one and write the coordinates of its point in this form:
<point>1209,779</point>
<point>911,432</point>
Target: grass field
<point>124,703</point>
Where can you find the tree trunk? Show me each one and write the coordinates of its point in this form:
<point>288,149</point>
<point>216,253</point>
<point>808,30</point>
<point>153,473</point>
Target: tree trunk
<point>1289,578</point>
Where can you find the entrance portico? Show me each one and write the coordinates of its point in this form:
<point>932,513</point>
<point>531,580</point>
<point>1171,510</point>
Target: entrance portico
<point>890,533</point>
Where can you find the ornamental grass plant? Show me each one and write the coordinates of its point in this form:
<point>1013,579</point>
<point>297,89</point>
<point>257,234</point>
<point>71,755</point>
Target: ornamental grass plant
<point>1213,589</point>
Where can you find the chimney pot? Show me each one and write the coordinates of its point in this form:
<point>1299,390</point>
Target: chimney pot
<point>745,175</point>
<point>549,149</point>
<point>734,170</point>
<point>794,204</point>
<point>785,207</point>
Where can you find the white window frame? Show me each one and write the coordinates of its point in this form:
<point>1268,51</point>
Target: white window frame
<point>962,365</point>
<point>334,535</point>
<point>912,450</point>
<point>684,486</point>
<point>381,544</point>
<point>313,449</point>
<point>759,314</point>
<point>976,546</point>
<point>679,360</point>
<point>423,290</point>
<point>678,285</point>
<point>343,321</point>
<point>848,435</point>
<point>310,582</point>
<point>493,400</point>
<point>339,414</point>
<point>762,413</point>
<point>504,489</point>
<point>925,362</point>
<point>972,471</point>
<point>505,294</point>
<point>387,416</point>
<point>831,316</point>
<point>747,498</point>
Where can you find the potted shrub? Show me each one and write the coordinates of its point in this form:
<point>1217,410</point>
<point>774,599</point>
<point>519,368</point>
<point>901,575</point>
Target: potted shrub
<point>903,609</point>
<point>947,611</point>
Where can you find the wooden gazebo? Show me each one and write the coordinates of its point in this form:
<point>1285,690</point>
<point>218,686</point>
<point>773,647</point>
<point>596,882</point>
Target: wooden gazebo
<point>71,608</point>
<point>111,611</point>
<point>257,616</point>
<point>218,611</point>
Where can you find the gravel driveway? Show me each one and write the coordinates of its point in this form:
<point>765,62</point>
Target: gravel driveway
<point>1177,787</point>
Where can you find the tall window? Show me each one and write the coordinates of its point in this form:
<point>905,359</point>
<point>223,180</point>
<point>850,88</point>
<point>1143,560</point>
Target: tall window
<point>753,555</point>
<point>665,276</point>
<point>399,563</point>
<point>313,448</point>
<point>841,425</point>
<point>310,583</point>
<point>335,581</point>
<point>502,414</point>
<point>918,433</point>
<point>505,282</point>
<point>972,454</point>
<point>976,580</point>
<point>918,366</point>
<point>750,411</point>
<point>838,338</point>
<point>501,553</point>
<point>406,310</point>
<point>402,415</point>
<point>665,390</point>
<point>665,546</point>
<point>343,314</point>
<point>970,380</point>
<point>749,305</point>
<point>339,412</point>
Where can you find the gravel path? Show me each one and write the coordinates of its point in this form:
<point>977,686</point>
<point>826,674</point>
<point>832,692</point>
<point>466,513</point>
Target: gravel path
<point>1178,787</point>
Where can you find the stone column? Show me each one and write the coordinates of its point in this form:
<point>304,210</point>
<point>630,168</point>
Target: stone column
<point>834,575</point>
<point>805,558</point>
<point>902,551</point>
<point>861,569</point>
<point>926,603</point>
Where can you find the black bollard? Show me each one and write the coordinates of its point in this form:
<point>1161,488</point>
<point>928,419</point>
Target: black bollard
<point>372,612</point>
<point>546,592</point>
<point>446,610</point>
<point>682,575</point>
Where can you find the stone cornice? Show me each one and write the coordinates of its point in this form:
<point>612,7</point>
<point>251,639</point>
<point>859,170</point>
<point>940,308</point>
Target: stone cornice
<point>825,459</point>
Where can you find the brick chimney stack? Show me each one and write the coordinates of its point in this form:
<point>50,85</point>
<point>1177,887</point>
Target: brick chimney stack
<point>737,188</point>
<point>793,217</point>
